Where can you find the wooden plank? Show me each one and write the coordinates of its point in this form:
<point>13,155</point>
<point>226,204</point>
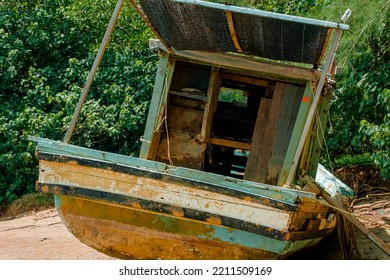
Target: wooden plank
<point>154,108</point>
<point>265,69</point>
<point>297,131</point>
<point>188,95</point>
<point>184,150</point>
<point>185,119</point>
<point>270,132</point>
<point>282,135</point>
<point>49,149</point>
<point>258,137</point>
<point>230,143</point>
<point>161,110</point>
<point>211,104</point>
<point>245,79</point>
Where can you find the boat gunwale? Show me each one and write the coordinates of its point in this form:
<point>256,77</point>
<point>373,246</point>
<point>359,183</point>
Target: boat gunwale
<point>167,177</point>
<point>57,148</point>
<point>159,208</point>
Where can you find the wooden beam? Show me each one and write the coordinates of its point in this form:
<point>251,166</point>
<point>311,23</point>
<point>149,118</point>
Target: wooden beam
<point>288,114</point>
<point>232,30</point>
<point>158,90</point>
<point>161,108</point>
<point>297,131</point>
<point>230,143</point>
<point>259,134</point>
<point>245,79</point>
<point>267,69</point>
<point>211,104</point>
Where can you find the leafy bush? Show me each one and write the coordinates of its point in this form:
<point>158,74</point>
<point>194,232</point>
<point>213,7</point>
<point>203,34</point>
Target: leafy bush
<point>363,97</point>
<point>46,51</point>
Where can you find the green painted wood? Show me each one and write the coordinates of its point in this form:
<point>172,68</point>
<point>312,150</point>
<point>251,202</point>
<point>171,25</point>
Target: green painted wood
<point>56,147</point>
<point>158,93</point>
<point>298,129</point>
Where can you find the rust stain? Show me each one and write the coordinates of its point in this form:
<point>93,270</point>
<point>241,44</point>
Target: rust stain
<point>214,221</point>
<point>178,213</point>
<point>127,233</point>
<point>136,205</point>
<point>268,229</point>
<point>247,198</point>
<point>44,189</point>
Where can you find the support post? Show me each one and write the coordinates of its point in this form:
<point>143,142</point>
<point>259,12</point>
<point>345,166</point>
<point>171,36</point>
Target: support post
<point>93,70</point>
<point>317,97</point>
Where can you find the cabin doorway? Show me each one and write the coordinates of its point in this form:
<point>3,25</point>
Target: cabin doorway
<point>233,123</point>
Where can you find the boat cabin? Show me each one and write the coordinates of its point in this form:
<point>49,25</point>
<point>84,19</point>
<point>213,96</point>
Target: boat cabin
<point>233,90</point>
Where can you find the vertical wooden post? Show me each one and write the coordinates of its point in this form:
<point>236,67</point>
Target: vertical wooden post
<point>327,67</point>
<point>93,70</point>
<point>158,97</point>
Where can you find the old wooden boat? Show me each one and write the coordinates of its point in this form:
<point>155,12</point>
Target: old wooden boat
<point>234,130</point>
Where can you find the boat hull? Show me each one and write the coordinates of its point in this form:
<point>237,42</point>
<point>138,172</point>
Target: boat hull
<point>135,211</point>
<point>126,233</point>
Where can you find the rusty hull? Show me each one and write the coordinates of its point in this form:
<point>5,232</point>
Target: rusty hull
<point>134,213</point>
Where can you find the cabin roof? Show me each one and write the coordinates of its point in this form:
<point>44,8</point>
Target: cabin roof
<point>204,26</point>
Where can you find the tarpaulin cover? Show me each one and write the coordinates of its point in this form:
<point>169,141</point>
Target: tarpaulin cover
<point>187,26</point>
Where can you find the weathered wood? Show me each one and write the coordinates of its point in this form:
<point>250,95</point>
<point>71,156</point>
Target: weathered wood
<point>245,79</point>
<point>184,150</point>
<point>283,133</point>
<point>230,143</point>
<point>185,119</point>
<point>211,104</point>
<point>154,107</point>
<point>258,136</point>
<point>297,130</point>
<point>232,30</point>
<point>188,95</point>
<point>268,70</point>
<point>318,136</point>
<point>267,139</point>
<point>337,205</point>
<point>160,112</point>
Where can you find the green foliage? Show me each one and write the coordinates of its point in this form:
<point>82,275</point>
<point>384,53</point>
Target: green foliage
<point>291,7</point>
<point>46,51</point>
<point>47,48</point>
<point>363,97</point>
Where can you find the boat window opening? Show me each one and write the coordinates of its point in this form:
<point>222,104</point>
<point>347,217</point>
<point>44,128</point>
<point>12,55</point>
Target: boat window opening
<point>233,127</point>
<point>235,115</point>
<point>234,96</point>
